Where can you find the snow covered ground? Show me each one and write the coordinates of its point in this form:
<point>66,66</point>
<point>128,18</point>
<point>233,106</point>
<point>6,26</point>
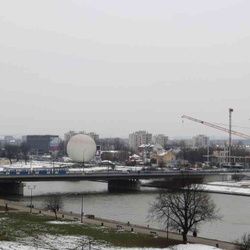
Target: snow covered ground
<point>49,165</point>
<point>230,187</point>
<point>70,242</point>
<point>34,165</point>
<point>58,242</point>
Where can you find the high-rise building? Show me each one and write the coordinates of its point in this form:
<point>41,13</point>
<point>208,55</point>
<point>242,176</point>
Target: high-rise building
<point>8,139</point>
<point>200,141</point>
<point>2,143</point>
<point>94,136</point>
<point>160,139</point>
<point>138,138</point>
<point>69,134</point>
<point>11,140</point>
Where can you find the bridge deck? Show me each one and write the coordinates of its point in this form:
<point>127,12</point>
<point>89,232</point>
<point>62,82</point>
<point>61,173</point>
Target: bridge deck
<point>104,176</point>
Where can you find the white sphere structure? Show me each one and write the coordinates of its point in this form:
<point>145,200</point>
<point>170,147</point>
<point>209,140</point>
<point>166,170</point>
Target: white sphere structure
<point>81,148</point>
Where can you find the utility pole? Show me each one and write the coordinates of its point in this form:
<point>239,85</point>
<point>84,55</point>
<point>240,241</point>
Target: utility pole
<point>230,136</point>
<point>208,144</point>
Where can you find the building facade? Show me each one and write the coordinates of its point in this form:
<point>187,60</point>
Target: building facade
<point>42,144</point>
<point>165,158</point>
<point>138,138</point>
<point>200,141</point>
<point>69,134</point>
<point>161,140</point>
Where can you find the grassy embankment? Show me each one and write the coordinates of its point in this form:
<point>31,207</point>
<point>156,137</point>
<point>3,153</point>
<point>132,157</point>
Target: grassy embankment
<point>15,226</point>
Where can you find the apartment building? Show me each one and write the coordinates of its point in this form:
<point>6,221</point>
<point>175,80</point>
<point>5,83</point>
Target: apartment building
<point>71,133</point>
<point>200,141</point>
<point>138,138</point>
<point>160,139</point>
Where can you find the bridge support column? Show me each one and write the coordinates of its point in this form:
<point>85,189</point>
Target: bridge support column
<point>11,188</point>
<point>218,177</point>
<point>124,185</point>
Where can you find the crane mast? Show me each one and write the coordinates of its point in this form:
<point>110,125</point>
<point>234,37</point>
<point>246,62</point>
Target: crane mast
<point>218,127</point>
<point>230,134</point>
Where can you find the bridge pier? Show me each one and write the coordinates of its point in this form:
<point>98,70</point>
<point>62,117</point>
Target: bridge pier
<point>218,177</point>
<point>124,185</point>
<point>11,188</point>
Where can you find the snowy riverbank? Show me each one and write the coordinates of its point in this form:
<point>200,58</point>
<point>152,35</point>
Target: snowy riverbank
<point>229,187</point>
<point>68,242</point>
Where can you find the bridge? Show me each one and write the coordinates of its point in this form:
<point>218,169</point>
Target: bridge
<point>103,175</point>
<point>11,182</point>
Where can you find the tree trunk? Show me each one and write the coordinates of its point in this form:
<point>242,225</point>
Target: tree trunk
<point>55,214</point>
<point>184,237</point>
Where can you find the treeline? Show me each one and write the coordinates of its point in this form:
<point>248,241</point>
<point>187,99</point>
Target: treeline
<point>16,152</point>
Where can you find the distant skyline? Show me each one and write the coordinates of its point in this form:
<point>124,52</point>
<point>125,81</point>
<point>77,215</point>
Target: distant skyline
<point>212,137</point>
<point>116,67</point>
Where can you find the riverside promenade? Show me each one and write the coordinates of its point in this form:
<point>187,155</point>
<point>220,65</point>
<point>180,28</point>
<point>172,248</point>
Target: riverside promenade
<point>90,219</point>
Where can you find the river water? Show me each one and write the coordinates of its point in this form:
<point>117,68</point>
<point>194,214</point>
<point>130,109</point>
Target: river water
<point>133,206</point>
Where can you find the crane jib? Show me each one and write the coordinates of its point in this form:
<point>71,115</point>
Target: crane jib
<point>217,127</point>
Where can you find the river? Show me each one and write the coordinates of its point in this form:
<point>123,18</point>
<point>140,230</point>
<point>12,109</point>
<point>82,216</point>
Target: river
<point>133,206</point>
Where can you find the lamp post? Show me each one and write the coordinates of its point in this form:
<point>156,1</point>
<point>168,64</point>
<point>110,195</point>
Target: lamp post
<point>168,223</point>
<point>82,210</point>
<point>31,188</point>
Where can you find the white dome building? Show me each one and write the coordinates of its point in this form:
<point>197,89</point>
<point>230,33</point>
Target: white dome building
<point>81,148</point>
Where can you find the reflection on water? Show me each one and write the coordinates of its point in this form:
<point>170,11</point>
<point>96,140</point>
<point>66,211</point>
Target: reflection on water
<point>133,206</point>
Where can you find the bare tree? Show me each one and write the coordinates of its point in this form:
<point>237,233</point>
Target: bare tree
<point>24,148</point>
<point>54,202</point>
<point>243,243</point>
<point>11,152</point>
<point>122,156</point>
<point>183,210</point>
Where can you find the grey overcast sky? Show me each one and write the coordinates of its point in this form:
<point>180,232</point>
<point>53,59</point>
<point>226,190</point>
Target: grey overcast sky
<point>115,67</point>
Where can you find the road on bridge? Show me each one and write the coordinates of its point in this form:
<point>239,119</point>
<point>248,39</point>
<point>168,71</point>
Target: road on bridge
<point>108,175</point>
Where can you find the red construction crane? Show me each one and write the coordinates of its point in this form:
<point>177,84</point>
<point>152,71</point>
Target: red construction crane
<point>217,127</point>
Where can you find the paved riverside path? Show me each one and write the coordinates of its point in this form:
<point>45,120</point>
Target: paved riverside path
<point>17,207</point>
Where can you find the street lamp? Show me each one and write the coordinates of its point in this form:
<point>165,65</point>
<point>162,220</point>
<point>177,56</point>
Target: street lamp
<point>31,188</point>
<point>82,210</point>
<point>168,223</point>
